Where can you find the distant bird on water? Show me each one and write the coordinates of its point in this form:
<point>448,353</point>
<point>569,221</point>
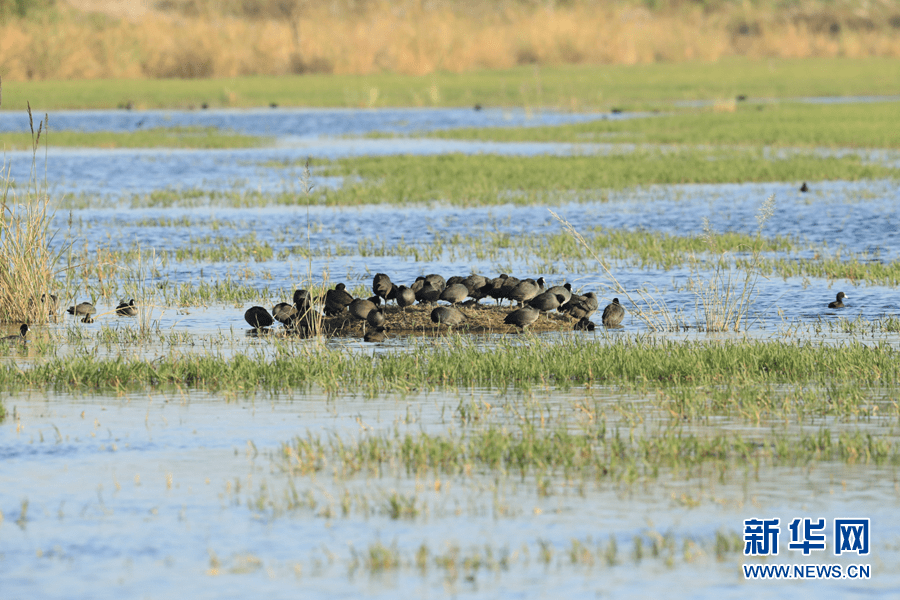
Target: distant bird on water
<point>838,303</point>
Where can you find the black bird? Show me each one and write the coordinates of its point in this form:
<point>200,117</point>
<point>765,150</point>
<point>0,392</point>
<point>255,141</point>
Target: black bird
<point>613,314</point>
<point>477,286</point>
<point>584,307</point>
<point>804,187</point>
<point>564,290</point>
<point>838,303</point>
<point>126,309</point>
<point>509,284</point>
<point>405,296</point>
<point>382,286</point>
<point>258,317</point>
<point>284,313</point>
<point>375,318</point>
<point>585,324</point>
<point>454,293</point>
<point>361,307</point>
<point>437,281</point>
<point>494,287</point>
<point>547,301</point>
<point>20,337</point>
<point>375,336</point>
<point>83,309</point>
<point>526,290</point>
<point>448,316</point>
<point>337,300</point>
<point>428,293</point>
<point>523,317</point>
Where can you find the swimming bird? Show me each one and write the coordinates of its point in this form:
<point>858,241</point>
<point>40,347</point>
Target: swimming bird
<point>258,317</point>
<point>20,337</point>
<point>613,314</point>
<point>804,187</point>
<point>126,309</point>
<point>376,335</point>
<point>448,316</point>
<point>83,309</point>
<point>838,303</point>
<point>522,317</point>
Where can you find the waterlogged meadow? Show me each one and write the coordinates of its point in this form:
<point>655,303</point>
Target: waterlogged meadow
<point>180,448</point>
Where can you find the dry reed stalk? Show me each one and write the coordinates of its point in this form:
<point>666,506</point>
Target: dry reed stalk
<point>653,312</point>
<point>725,297</point>
<point>28,265</point>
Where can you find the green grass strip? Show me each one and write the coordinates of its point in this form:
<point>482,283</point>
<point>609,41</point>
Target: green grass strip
<point>472,180</point>
<point>581,87</point>
<point>864,125</point>
<point>460,363</point>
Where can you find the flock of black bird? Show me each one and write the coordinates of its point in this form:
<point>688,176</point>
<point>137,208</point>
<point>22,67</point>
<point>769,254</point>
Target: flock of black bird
<point>531,297</point>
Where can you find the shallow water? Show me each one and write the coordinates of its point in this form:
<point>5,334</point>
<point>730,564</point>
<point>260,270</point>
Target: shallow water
<point>304,122</point>
<point>138,495</point>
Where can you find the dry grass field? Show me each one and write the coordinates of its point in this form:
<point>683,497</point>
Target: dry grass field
<point>92,39</point>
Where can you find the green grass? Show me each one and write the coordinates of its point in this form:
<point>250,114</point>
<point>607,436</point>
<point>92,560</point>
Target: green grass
<point>477,180</point>
<point>163,137</point>
<point>595,452</point>
<point>869,125</point>
<point>571,87</point>
<point>459,362</point>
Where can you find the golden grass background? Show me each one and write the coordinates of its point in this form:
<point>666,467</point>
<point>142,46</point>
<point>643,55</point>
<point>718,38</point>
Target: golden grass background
<point>88,39</point>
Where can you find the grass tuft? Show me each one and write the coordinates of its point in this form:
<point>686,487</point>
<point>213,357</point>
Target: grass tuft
<point>27,264</point>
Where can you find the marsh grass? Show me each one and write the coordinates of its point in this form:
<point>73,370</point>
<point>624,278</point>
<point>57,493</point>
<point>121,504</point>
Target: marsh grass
<point>484,180</point>
<point>461,362</point>
<point>28,263</point>
<point>724,297</point>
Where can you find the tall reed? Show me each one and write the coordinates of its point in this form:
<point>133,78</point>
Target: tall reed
<point>724,298</point>
<point>28,264</point>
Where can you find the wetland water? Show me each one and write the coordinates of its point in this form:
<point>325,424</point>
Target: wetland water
<point>182,492</point>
